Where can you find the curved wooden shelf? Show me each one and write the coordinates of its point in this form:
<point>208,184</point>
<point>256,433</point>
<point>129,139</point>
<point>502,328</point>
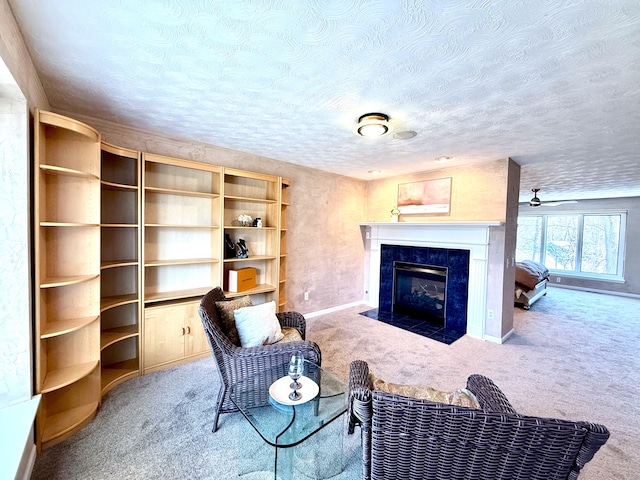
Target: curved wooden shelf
<point>68,224</point>
<point>60,121</point>
<point>184,193</point>
<point>262,288</point>
<point>56,379</point>
<point>119,225</point>
<point>176,225</point>
<point>52,282</point>
<point>117,300</point>
<point>116,373</point>
<point>114,335</point>
<point>117,263</point>
<point>175,295</point>
<point>184,261</point>
<point>120,151</point>
<point>249,199</point>
<point>237,227</point>
<point>118,186</point>
<point>62,327</point>
<point>251,258</point>
<point>68,421</point>
<point>57,170</point>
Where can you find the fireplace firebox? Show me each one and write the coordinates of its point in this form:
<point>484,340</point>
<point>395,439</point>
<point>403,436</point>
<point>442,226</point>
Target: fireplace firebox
<point>420,291</point>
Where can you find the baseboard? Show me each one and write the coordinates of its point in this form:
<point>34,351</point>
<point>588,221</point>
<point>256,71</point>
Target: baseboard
<point>334,309</point>
<point>499,340</point>
<point>594,290</point>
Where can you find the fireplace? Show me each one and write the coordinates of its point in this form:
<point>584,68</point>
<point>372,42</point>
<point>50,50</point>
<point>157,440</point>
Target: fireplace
<point>420,291</point>
<point>462,247</point>
<point>453,262</point>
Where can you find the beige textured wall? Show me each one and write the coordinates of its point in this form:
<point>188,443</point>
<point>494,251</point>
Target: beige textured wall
<point>324,244</point>
<point>478,192</point>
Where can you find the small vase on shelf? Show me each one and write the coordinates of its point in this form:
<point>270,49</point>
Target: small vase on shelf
<point>395,213</point>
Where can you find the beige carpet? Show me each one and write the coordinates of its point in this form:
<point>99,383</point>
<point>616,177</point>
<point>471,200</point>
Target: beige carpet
<point>575,355</point>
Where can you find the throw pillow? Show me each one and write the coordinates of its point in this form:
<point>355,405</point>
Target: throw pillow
<point>258,325</point>
<point>225,310</point>
<point>461,397</point>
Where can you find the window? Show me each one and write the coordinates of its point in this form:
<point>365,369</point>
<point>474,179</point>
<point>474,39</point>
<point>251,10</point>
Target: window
<point>585,244</point>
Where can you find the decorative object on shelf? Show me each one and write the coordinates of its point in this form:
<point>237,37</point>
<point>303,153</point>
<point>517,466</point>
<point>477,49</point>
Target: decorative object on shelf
<point>229,247</point>
<point>395,213</point>
<point>257,222</point>
<point>244,220</point>
<point>241,249</point>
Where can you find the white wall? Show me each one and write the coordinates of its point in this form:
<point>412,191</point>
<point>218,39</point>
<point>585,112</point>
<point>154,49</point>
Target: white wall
<point>15,321</point>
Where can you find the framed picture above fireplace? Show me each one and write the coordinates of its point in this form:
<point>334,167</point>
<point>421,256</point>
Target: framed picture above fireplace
<point>431,197</point>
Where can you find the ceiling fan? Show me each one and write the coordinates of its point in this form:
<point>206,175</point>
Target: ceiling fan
<point>535,201</point>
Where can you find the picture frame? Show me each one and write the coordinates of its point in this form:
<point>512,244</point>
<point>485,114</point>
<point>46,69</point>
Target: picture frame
<point>430,197</point>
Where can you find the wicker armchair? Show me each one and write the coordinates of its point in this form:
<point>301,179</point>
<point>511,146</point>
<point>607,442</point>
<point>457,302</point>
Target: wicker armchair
<point>406,438</point>
<point>235,363</point>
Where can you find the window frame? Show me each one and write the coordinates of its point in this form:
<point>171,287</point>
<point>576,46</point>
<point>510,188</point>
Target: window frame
<point>622,241</point>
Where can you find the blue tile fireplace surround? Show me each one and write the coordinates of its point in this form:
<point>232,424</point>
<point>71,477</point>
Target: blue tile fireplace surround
<point>457,263</point>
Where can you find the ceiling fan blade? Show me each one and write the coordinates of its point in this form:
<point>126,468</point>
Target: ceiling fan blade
<point>555,204</point>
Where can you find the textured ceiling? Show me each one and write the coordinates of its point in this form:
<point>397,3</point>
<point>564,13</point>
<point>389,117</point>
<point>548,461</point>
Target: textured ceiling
<point>553,84</point>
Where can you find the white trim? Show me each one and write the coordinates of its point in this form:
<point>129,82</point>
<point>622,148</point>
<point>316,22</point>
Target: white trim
<point>594,290</point>
<point>334,309</point>
<point>492,339</point>
<point>16,443</point>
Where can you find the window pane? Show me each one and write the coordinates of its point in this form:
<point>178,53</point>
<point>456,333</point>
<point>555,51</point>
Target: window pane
<point>561,247</point>
<point>529,239</point>
<point>601,237</point>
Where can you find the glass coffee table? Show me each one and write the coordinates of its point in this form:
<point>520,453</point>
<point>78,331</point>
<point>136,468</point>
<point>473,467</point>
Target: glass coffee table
<point>304,436</point>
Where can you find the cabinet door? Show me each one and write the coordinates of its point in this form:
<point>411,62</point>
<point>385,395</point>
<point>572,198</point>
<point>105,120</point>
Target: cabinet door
<point>195,340</point>
<point>164,335</point>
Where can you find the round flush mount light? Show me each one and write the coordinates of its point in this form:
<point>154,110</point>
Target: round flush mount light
<point>372,125</point>
<point>443,158</point>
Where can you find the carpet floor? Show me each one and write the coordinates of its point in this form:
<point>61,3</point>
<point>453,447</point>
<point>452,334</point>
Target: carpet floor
<point>574,355</point>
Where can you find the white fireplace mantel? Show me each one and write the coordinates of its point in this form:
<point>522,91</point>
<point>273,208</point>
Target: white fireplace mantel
<point>471,236</point>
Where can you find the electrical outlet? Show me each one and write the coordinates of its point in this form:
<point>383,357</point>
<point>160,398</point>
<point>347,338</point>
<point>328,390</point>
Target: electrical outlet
<point>490,314</point>
<point>306,295</point>
<point>368,235</point>
<point>558,279</point>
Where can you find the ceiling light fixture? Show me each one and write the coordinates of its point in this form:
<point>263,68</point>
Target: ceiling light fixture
<point>535,201</point>
<point>375,172</point>
<point>442,158</point>
<point>372,125</point>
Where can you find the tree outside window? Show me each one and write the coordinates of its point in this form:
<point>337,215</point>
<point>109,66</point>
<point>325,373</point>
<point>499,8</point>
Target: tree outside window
<point>581,244</point>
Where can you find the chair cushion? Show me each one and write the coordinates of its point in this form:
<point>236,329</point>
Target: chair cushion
<point>460,397</point>
<point>225,311</point>
<point>290,334</point>
<point>258,325</point>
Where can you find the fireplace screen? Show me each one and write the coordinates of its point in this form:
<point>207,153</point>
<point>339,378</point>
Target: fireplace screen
<point>420,291</point>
